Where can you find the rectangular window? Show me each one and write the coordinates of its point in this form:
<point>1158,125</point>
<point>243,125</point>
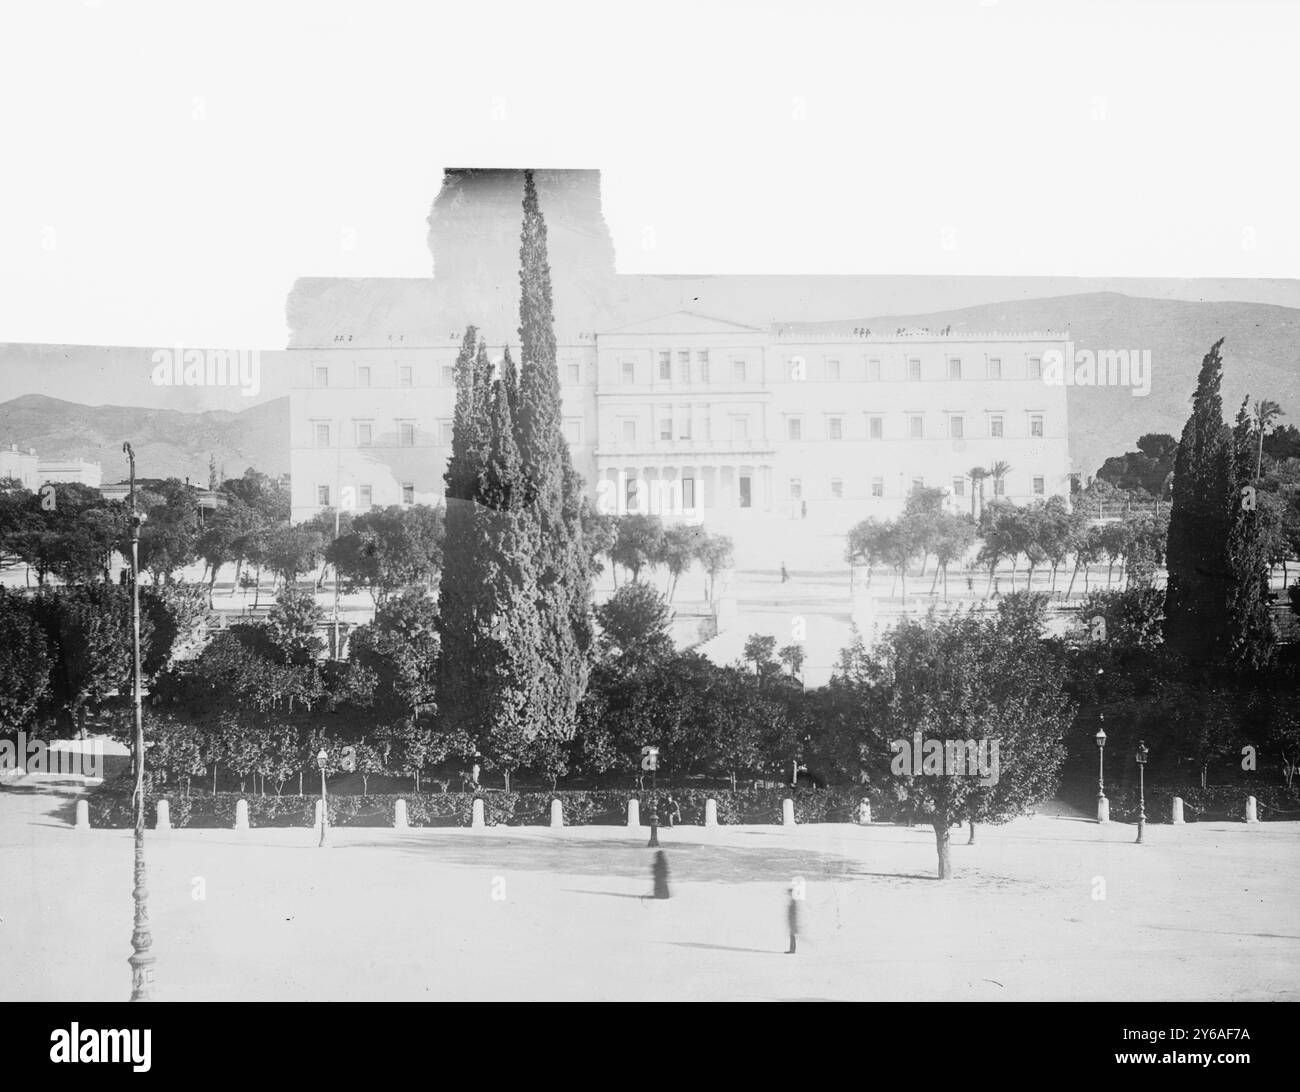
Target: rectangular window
<point>746,491</point>
<point>995,427</point>
<point>665,428</point>
<point>447,372</point>
<point>1000,487</point>
<point>954,369</point>
<point>632,493</point>
<point>794,428</point>
<point>995,367</point>
<point>321,376</point>
<point>1036,426</point>
<point>408,492</point>
<point>873,371</point>
<point>738,371</point>
<point>629,430</point>
<point>573,431</point>
<point>835,428</point>
<point>405,374</point>
<point>366,496</point>
<point>914,370</point>
<point>629,372</point>
<point>406,433</point>
<point>959,487</point>
<point>363,375</point>
<point>875,428</point>
<point>574,372</point>
<point>1039,487</point>
<point>322,431</point>
<point>956,427</point>
<point>832,371</point>
<point>916,426</point>
<point>877,487</point>
<point>684,364</point>
<point>685,415</point>
<point>837,487</point>
<point>796,489</point>
<point>446,431</point>
<point>665,366</point>
<point>704,366</point>
<point>740,428</point>
<point>794,369</point>
<point>365,434</point>
<point>1035,367</point>
<point>323,495</point>
<point>688,493</point>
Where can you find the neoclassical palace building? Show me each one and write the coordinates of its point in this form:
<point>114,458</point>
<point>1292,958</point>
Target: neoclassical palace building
<point>678,412</point>
<point>697,416</point>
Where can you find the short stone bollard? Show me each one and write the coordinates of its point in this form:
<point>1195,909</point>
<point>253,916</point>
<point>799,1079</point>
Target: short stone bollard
<point>634,812</point>
<point>557,813</point>
<point>399,815</point>
<point>1103,810</point>
<point>710,812</point>
<point>477,821</point>
<point>864,812</point>
<point>1251,817</point>
<point>241,815</point>
<point>163,822</point>
<point>1177,817</point>
<point>83,815</point>
<point>787,813</point>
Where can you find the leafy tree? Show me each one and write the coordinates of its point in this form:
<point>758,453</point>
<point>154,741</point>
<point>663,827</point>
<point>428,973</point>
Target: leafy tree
<point>25,663</point>
<point>793,656</point>
<point>169,535</point>
<point>401,648</point>
<point>293,627</point>
<point>760,650</point>
<point>292,551</point>
<point>639,543</point>
<point>943,682</point>
<point>634,627</point>
<point>388,549</point>
<point>677,551</point>
<point>714,553</point>
<point>219,538</point>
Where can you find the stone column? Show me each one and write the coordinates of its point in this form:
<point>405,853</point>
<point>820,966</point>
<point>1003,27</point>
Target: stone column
<point>557,813</point>
<point>163,821</point>
<point>710,813</point>
<point>476,816</point>
<point>787,812</point>
<point>241,815</point>
<point>83,816</point>
<point>1251,817</point>
<point>1177,809</point>
<point>634,812</point>
<point>399,815</point>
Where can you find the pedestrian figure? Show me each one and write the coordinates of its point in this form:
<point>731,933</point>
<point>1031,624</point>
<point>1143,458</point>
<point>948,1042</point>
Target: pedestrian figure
<point>785,576</point>
<point>672,811</point>
<point>660,872</point>
<point>805,509</point>
<point>792,915</point>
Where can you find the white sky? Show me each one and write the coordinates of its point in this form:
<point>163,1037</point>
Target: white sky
<point>168,169</point>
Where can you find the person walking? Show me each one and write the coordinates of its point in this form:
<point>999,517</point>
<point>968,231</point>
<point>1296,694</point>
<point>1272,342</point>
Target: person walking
<point>792,918</point>
<point>660,872</point>
<point>785,576</point>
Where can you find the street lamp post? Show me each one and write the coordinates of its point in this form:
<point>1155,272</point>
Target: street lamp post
<point>141,958</point>
<point>1142,797</point>
<point>1103,808</point>
<point>321,759</point>
<point>652,759</point>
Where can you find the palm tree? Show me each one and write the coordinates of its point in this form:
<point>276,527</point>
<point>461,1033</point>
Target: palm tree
<point>998,471</point>
<point>1266,412</point>
<point>977,474</point>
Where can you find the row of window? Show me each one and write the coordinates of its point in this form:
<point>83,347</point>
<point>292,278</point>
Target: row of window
<point>360,496</point>
<point>363,433</point>
<point>995,425</point>
<point>689,367</point>
<point>364,375</point>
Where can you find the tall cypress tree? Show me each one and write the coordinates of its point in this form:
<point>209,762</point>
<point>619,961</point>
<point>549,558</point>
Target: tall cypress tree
<point>551,492</point>
<point>1252,634</point>
<point>1200,515</point>
<point>461,596</point>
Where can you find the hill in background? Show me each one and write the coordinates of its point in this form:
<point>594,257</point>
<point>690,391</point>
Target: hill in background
<point>168,443</point>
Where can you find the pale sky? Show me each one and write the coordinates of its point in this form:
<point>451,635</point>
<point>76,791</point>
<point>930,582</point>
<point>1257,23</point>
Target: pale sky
<point>170,168</point>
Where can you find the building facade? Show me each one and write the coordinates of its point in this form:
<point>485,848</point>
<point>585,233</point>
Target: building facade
<point>696,417</point>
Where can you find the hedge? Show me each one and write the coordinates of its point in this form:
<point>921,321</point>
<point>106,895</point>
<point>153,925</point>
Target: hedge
<point>1213,804</point>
